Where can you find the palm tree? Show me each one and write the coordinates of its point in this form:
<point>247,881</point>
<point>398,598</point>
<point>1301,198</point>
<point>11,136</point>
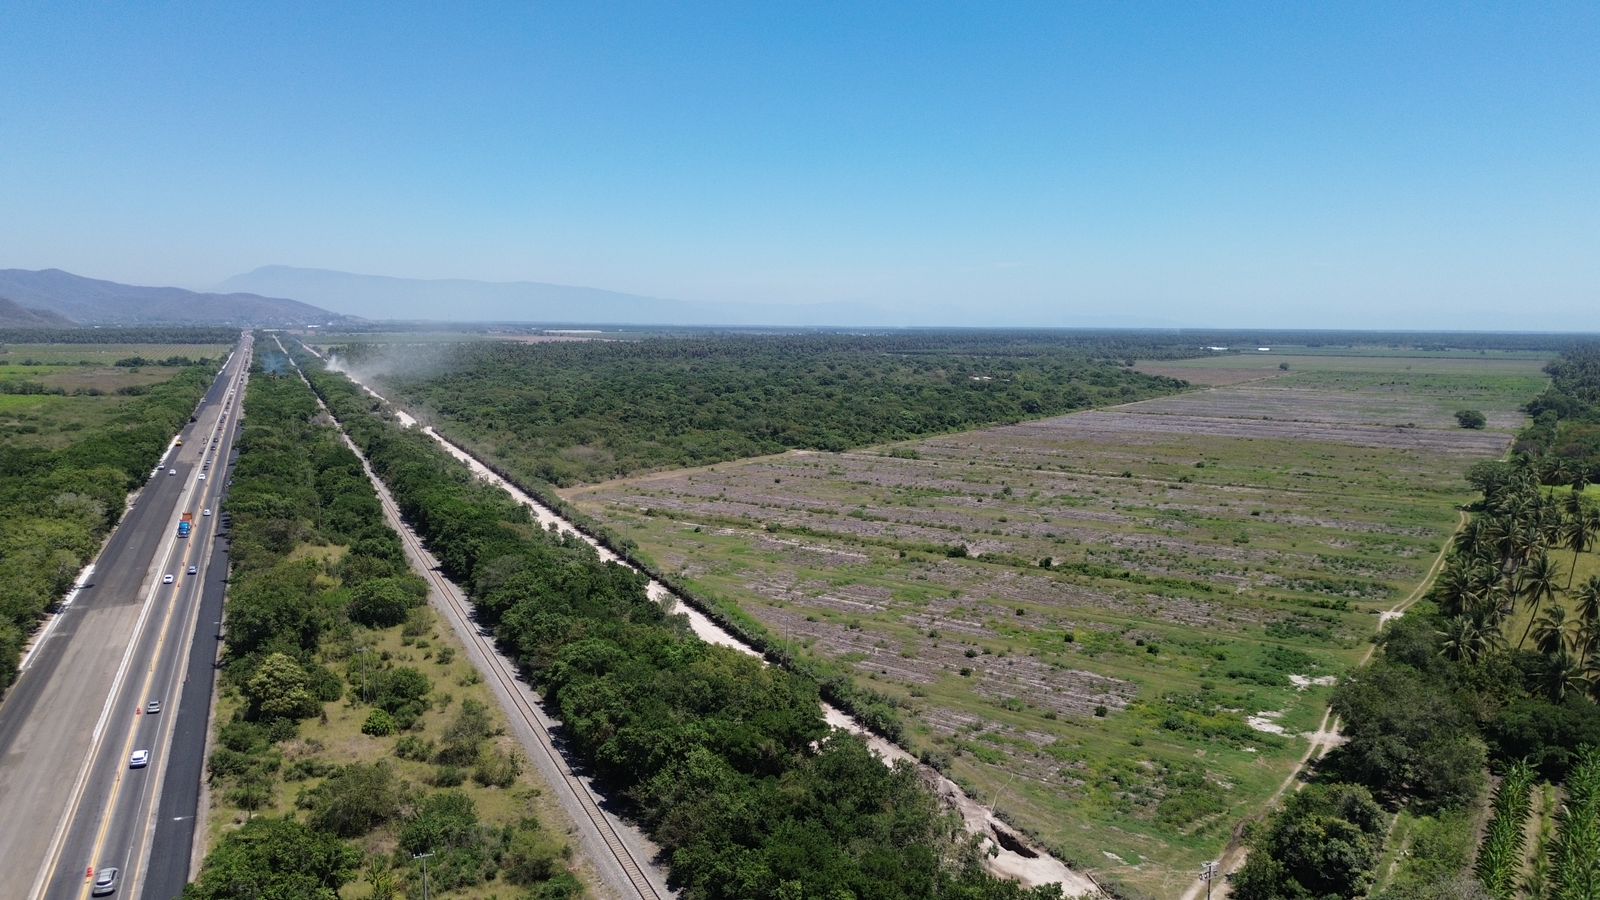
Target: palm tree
<point>1498,534</point>
<point>1494,603</point>
<point>1469,540</point>
<point>1575,501</point>
<point>1463,640</point>
<point>1550,635</point>
<point>1557,472</point>
<point>1588,638</point>
<point>1588,596</point>
<point>1565,675</point>
<point>1537,583</point>
<point>1527,541</point>
<point>1577,532</point>
<point>1454,587</point>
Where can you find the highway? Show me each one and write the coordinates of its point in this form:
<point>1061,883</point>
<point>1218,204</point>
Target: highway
<point>76,713</point>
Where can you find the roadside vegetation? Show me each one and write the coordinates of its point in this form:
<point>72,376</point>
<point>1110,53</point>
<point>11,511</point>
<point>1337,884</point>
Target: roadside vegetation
<point>586,411</point>
<point>351,735</point>
<point>75,439</point>
<point>726,762</point>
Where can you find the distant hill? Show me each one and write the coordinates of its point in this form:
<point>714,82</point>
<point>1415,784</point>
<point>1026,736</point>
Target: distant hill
<point>15,315</point>
<point>90,301</point>
<point>462,300</point>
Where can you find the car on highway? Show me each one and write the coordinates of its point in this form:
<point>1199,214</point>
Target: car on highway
<point>167,579</point>
<point>172,471</point>
<point>205,512</point>
<point>139,759</point>
<point>202,476</point>
<point>153,707</point>
<point>105,882</point>
<point>191,570</point>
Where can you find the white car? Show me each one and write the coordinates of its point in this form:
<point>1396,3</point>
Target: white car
<point>202,476</point>
<point>166,579</point>
<point>172,471</point>
<point>192,570</point>
<point>139,759</point>
<point>153,707</point>
<point>205,512</point>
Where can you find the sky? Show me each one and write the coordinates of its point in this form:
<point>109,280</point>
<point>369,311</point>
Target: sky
<point>1381,165</point>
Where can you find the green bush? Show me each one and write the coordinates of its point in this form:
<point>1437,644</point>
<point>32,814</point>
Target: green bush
<point>496,767</point>
<point>379,724</point>
<point>413,748</point>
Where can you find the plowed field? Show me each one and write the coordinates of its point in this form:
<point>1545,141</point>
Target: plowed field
<point>1114,625</point>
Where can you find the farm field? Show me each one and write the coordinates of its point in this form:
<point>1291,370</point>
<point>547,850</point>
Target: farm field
<point>105,354</point>
<point>51,393</point>
<point>1116,626</point>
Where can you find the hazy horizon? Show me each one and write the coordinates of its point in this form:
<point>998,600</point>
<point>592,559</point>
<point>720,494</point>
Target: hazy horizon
<point>1235,166</point>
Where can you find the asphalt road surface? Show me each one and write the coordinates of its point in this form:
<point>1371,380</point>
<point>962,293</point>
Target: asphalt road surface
<point>76,713</point>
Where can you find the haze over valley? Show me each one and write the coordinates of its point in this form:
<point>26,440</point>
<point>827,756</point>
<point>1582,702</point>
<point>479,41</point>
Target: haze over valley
<point>723,451</point>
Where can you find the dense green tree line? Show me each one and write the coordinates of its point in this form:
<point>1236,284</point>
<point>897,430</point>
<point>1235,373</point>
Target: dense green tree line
<point>297,632</point>
<point>56,505</point>
<point>1565,433</point>
<point>727,762</point>
<point>149,334</point>
<point>587,411</point>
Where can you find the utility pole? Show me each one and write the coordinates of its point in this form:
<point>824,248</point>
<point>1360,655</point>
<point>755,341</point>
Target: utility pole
<point>424,858</point>
<point>1208,873</point>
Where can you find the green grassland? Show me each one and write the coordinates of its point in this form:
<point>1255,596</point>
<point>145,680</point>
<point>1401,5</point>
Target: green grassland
<point>105,354</point>
<point>1131,701</point>
<point>50,394</point>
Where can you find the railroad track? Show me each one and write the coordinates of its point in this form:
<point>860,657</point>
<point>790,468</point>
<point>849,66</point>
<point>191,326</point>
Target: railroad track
<point>508,680</point>
<point>502,673</point>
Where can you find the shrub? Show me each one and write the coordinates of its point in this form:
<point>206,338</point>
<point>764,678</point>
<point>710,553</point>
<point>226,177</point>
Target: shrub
<point>379,724</point>
<point>496,767</point>
<point>413,748</point>
<point>532,855</point>
<point>355,799</point>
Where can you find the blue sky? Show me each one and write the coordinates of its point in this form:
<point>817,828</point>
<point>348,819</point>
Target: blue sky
<point>1263,164</point>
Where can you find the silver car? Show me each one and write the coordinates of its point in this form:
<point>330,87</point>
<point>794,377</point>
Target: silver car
<point>105,882</point>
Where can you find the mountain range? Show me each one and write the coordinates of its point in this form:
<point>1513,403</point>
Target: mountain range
<point>91,301</point>
<point>259,298</point>
<point>15,315</point>
<point>464,300</point>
